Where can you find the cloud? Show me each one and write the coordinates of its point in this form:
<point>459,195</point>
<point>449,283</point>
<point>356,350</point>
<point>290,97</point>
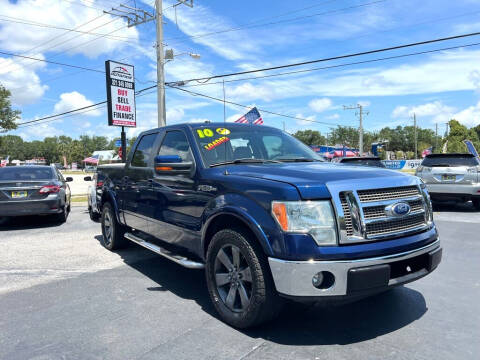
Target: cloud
<point>74,100</point>
<point>19,36</point>
<point>469,116</point>
<point>439,111</point>
<point>23,82</point>
<point>305,122</point>
<point>40,131</point>
<point>201,20</point>
<point>320,105</point>
<point>333,117</point>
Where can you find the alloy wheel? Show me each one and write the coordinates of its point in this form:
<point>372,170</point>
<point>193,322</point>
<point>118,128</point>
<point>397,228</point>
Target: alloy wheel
<point>107,226</point>
<point>233,278</point>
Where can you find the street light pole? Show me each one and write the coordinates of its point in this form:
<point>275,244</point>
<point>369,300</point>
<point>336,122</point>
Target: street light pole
<point>162,114</point>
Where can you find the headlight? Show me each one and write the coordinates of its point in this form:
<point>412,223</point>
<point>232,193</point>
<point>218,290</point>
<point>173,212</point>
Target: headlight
<point>312,217</point>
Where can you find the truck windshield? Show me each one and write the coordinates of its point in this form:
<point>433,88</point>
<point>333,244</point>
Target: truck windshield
<point>450,160</point>
<point>250,144</point>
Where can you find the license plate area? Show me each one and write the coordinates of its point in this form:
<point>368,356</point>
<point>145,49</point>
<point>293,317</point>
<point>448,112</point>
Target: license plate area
<point>19,194</point>
<point>447,177</point>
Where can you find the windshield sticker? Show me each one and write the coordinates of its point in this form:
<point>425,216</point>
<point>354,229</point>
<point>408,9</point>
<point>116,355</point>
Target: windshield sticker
<point>216,142</point>
<point>223,131</point>
<point>203,133</point>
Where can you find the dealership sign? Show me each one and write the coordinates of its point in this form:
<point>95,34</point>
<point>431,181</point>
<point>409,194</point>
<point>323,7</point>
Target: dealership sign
<point>402,164</point>
<point>120,94</point>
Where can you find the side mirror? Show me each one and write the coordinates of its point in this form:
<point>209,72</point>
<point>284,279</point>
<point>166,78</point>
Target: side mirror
<point>69,179</point>
<point>87,178</point>
<point>172,165</point>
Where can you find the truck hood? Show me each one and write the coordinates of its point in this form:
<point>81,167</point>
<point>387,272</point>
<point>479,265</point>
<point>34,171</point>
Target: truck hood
<point>313,179</point>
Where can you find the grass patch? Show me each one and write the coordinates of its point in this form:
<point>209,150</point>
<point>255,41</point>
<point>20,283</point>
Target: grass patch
<point>82,198</point>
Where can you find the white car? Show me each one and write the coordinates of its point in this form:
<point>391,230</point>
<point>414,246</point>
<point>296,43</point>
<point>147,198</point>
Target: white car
<point>451,177</point>
<point>93,194</point>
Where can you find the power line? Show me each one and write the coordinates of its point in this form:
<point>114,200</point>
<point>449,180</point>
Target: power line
<point>252,25</point>
<point>31,23</point>
<point>88,107</point>
<point>338,65</point>
<point>397,47</point>
<point>250,107</point>
<point>51,62</point>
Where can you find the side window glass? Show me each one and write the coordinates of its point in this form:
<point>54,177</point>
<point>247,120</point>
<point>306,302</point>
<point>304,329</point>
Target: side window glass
<point>143,152</point>
<point>176,143</point>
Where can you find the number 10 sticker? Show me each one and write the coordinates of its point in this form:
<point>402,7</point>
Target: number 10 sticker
<point>202,133</point>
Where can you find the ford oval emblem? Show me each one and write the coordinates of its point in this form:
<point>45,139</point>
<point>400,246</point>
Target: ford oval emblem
<point>398,209</point>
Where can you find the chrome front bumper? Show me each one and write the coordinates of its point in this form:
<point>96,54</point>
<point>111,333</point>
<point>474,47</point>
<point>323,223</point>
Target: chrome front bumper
<point>294,278</point>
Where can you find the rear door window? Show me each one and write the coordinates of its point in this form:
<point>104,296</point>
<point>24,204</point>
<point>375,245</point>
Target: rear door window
<point>143,153</point>
<point>176,143</point>
<point>446,161</point>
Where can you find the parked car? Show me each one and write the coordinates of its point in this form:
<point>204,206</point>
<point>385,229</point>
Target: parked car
<point>266,218</point>
<point>59,166</point>
<point>34,190</point>
<point>360,161</point>
<point>451,177</point>
<point>94,194</point>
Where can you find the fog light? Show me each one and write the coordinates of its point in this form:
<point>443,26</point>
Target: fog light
<point>323,280</point>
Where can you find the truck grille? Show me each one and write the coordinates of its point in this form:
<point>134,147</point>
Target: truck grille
<point>373,219</point>
<point>387,194</point>
<point>378,212</point>
<point>348,215</point>
<point>393,226</point>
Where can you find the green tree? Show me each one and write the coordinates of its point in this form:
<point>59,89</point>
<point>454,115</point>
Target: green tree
<point>310,137</point>
<point>7,115</point>
<point>13,146</point>
<point>457,134</point>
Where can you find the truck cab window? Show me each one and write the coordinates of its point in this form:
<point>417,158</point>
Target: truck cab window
<point>176,143</point>
<point>143,152</point>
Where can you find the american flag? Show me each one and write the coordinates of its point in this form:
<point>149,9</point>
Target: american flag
<point>427,152</point>
<point>4,163</point>
<point>92,159</point>
<point>251,117</point>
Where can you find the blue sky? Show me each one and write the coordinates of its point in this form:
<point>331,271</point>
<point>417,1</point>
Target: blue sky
<point>435,86</point>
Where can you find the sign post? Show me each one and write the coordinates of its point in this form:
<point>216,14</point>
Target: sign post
<point>120,81</point>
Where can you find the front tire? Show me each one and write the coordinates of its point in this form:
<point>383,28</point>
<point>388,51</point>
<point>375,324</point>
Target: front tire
<point>239,280</point>
<point>112,231</point>
<point>93,215</point>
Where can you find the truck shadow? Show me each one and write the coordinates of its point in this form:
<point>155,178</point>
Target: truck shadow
<point>297,324</point>
<point>454,206</point>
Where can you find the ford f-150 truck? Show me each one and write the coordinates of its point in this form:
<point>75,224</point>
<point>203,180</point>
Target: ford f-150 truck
<point>266,218</point>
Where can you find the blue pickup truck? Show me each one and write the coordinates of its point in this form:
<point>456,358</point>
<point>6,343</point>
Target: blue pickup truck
<point>266,218</point>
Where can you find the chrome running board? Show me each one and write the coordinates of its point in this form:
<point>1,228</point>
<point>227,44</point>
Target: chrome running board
<point>181,260</point>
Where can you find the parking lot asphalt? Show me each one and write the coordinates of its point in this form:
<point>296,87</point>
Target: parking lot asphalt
<point>63,296</point>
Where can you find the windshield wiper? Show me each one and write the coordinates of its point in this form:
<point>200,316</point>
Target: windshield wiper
<point>245,161</point>
<point>440,165</point>
<point>297,160</point>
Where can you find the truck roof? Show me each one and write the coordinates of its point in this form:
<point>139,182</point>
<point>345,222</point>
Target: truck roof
<point>212,124</point>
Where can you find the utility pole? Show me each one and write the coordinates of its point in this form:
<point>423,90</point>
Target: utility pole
<point>136,17</point>
<point>162,112</point>
<point>436,136</point>
<point>415,133</point>
<point>360,114</point>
